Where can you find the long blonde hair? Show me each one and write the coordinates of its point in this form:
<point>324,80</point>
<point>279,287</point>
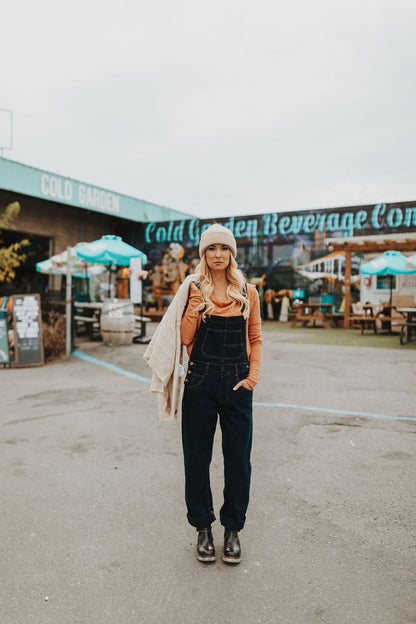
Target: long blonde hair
<point>236,289</point>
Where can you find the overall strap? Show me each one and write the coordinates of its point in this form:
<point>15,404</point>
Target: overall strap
<point>245,294</point>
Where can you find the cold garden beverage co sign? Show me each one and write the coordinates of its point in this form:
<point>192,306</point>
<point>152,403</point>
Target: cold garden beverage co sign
<point>378,219</point>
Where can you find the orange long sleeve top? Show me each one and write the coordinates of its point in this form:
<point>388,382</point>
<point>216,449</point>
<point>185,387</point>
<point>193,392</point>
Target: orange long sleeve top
<point>191,321</point>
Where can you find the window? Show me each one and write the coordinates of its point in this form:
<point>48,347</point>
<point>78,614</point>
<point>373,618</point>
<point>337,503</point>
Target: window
<point>385,282</point>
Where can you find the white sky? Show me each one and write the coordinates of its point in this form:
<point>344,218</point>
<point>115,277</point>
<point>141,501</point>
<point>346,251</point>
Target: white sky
<point>217,108</point>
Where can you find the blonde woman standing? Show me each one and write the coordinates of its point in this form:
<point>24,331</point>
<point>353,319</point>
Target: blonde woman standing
<point>221,329</point>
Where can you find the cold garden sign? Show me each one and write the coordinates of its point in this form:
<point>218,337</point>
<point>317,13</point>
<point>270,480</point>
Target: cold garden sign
<point>27,322</point>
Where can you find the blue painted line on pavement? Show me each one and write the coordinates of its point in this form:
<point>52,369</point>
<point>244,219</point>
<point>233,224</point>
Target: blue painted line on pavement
<point>122,371</point>
<point>112,367</point>
<point>333,411</point>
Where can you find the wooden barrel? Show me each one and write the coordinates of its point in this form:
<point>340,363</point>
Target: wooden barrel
<point>117,321</point>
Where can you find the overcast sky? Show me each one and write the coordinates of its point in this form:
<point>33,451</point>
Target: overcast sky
<point>217,108</point>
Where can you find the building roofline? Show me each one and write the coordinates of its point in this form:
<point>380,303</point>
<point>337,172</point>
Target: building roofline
<point>44,184</point>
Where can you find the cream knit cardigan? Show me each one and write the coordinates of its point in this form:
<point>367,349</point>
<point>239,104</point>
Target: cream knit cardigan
<point>165,355</point>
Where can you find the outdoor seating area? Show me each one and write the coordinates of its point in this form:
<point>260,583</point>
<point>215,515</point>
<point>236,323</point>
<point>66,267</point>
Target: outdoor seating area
<point>87,321</point>
<point>313,313</point>
<point>96,257</point>
<point>385,318</point>
<point>397,314</point>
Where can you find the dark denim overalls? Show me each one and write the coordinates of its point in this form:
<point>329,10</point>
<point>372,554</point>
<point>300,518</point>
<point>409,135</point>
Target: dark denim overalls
<point>217,363</point>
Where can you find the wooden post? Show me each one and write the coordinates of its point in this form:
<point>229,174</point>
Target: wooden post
<point>347,287</point>
<point>68,302</point>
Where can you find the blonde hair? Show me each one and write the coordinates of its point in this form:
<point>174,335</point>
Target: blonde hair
<point>235,289</point>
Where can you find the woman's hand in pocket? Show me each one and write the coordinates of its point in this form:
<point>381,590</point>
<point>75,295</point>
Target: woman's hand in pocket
<point>243,383</point>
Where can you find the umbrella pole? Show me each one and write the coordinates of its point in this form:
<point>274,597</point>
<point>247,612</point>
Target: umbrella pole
<point>68,302</point>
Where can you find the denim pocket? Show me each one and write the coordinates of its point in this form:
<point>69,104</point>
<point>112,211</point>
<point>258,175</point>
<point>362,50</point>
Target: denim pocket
<point>240,377</point>
<point>194,379</point>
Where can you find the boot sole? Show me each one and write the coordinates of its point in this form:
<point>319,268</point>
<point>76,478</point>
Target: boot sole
<point>206,559</point>
<point>231,559</point>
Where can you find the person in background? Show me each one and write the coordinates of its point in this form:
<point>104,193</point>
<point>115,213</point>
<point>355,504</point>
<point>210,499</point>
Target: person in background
<point>122,282</point>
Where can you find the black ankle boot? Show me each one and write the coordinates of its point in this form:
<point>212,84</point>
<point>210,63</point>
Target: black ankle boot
<point>205,550</point>
<point>232,548</point>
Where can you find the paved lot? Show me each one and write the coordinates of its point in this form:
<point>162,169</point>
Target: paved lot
<point>93,520</point>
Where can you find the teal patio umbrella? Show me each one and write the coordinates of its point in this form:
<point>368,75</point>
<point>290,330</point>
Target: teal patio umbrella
<point>110,249</point>
<point>69,264</point>
<point>389,263</point>
<point>411,262</point>
<point>58,264</point>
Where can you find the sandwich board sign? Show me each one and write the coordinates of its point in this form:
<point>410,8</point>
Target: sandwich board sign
<point>27,330</point>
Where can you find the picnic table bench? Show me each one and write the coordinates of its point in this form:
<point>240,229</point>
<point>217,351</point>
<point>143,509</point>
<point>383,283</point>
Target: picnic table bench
<point>87,316</point>
<point>408,327</point>
<point>365,320</point>
<point>312,312</point>
<point>140,329</point>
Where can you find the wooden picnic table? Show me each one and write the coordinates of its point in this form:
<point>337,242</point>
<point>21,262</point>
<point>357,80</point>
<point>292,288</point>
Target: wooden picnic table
<point>88,314</point>
<point>409,326</point>
<point>374,318</point>
<point>312,312</point>
<point>366,320</point>
<point>385,315</point>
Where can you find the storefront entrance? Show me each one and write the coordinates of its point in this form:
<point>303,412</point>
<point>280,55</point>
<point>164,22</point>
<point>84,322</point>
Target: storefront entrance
<point>27,280</point>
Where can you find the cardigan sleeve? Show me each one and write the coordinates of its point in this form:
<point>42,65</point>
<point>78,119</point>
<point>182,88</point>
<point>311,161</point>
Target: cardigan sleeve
<point>189,322</point>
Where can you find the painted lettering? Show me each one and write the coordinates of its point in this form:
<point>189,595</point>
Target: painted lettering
<point>193,230</point>
<point>296,224</point>
<point>269,227</point>
<point>360,220</point>
<point>347,223</point>
<point>44,184</point>
<point>160,234</point>
<point>284,224</point>
<point>321,223</point>
<point>377,212</point>
<point>332,222</point>
<point>394,217</point>
<point>150,228</point>
<point>409,217</point>
<point>309,223</point>
<point>178,232</point>
<point>101,200</point>
<point>56,188</point>
<point>251,228</point>
<point>240,227</point>
<point>230,224</point>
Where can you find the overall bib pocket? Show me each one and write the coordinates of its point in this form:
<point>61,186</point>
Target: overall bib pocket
<point>225,346</point>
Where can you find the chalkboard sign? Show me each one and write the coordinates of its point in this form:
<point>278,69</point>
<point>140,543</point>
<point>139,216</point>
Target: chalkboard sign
<point>27,330</point>
<point>4,341</point>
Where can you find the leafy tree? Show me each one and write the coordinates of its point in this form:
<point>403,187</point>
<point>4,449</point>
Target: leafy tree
<point>10,257</point>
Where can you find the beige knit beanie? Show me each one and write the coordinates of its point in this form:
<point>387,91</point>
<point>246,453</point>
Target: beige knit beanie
<point>217,234</point>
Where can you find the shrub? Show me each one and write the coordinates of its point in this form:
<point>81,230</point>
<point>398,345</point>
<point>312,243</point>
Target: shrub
<point>54,332</point>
